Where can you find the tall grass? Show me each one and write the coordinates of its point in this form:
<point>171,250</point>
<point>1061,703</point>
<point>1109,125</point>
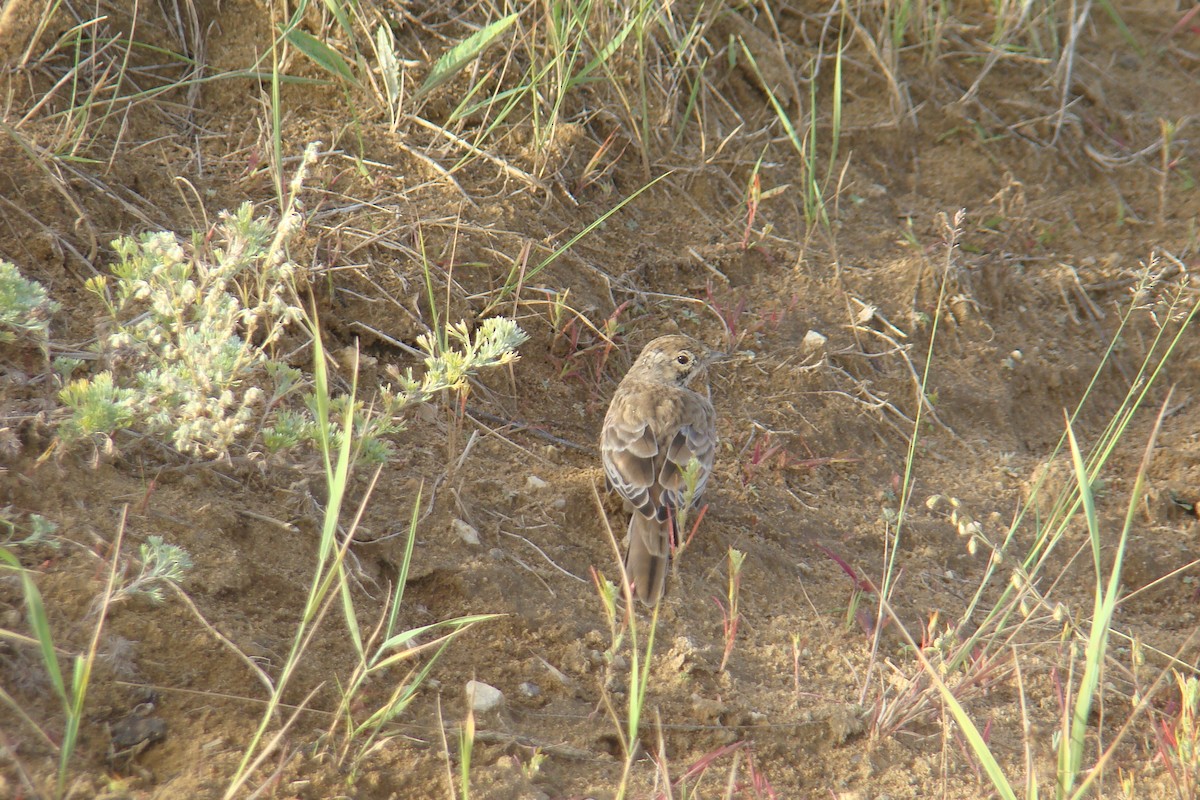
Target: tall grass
<point>1035,600</point>
<point>524,67</point>
<point>387,645</point>
<point>621,612</point>
<point>72,696</point>
<point>816,175</point>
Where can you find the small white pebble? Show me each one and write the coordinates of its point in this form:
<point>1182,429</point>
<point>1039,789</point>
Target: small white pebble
<point>483,697</point>
<point>813,342</point>
<point>465,531</point>
<point>533,483</point>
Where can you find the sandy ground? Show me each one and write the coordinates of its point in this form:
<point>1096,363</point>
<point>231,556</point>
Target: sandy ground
<point>1062,208</point>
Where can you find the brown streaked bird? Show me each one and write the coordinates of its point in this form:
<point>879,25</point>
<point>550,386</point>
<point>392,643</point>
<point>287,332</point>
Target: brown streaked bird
<point>654,427</point>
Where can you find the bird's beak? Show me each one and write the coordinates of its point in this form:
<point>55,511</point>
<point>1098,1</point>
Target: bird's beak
<point>715,357</point>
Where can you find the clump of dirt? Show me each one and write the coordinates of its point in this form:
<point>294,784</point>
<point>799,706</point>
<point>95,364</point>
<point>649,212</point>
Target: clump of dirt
<point>829,410</point>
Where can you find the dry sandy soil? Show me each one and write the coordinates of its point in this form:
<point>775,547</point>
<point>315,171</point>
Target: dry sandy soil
<point>1069,187</point>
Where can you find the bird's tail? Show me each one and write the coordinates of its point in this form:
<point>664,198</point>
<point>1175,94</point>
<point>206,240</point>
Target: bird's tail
<point>648,556</point>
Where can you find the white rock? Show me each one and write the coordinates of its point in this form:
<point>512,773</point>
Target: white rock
<point>483,697</point>
<point>465,531</point>
<point>813,341</point>
<point>533,483</point>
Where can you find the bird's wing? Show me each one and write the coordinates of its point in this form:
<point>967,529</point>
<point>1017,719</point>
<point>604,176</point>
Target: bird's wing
<point>695,439</point>
<point>629,449</point>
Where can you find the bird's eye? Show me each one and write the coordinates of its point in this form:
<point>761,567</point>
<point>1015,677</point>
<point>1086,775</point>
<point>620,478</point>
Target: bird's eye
<point>684,359</point>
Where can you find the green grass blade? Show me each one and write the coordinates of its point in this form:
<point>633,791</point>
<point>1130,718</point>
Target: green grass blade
<point>405,563</point>
<point>975,739</point>
<point>639,677</point>
<point>979,745</point>
<point>403,694</point>
<point>462,53</point>
<point>836,120</point>
<point>389,65</point>
<point>320,54</point>
<point>511,283</point>
<point>81,676</point>
<point>40,625</point>
<point>457,626</point>
<point>1126,34</point>
<point>1071,756</point>
<point>338,10</point>
<point>1107,604</point>
<point>341,478</point>
<point>606,52</point>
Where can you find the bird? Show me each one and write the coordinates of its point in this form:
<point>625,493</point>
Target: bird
<point>654,427</point>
